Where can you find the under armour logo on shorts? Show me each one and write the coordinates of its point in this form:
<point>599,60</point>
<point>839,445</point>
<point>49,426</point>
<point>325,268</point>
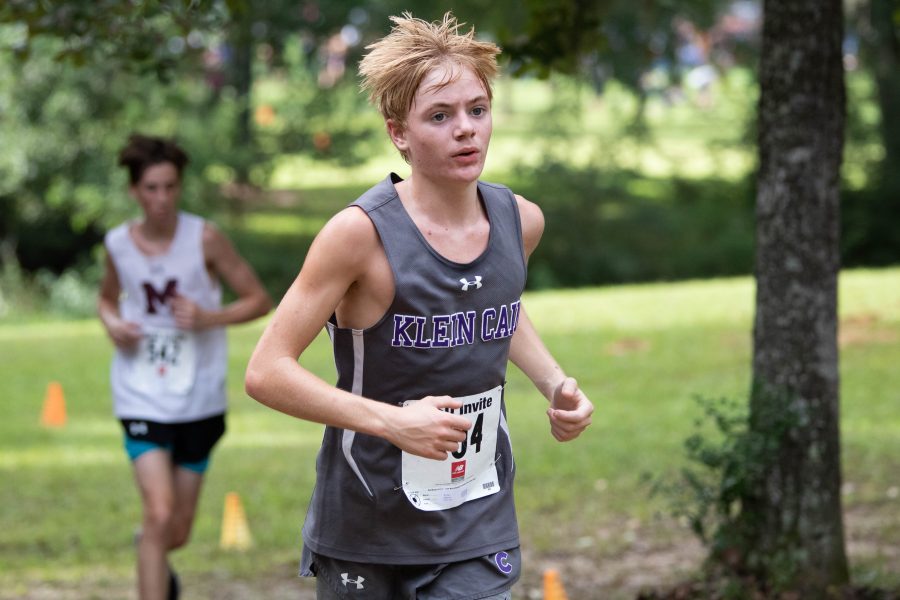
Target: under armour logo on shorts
<point>137,428</point>
<point>345,579</point>
<point>466,284</point>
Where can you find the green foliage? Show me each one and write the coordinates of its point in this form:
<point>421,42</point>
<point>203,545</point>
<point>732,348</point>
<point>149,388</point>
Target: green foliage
<point>606,39</point>
<point>330,123</point>
<point>275,238</point>
<point>608,219</point>
<point>82,76</point>
<point>276,257</point>
<point>141,37</point>
<point>69,125</point>
<point>618,226</point>
<point>870,198</point>
<point>70,294</point>
<point>602,226</point>
<point>715,494</point>
<point>869,217</point>
<point>726,459</point>
<point>709,490</point>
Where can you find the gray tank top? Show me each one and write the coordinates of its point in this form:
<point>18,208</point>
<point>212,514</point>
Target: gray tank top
<point>447,332</point>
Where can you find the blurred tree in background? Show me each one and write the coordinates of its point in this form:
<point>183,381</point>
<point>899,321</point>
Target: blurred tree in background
<point>79,76</point>
<point>192,68</point>
<point>610,39</point>
<point>870,214</point>
<point>82,75</point>
<point>244,84</point>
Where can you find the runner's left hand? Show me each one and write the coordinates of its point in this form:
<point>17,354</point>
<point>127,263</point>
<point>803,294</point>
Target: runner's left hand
<point>570,411</point>
<point>187,314</point>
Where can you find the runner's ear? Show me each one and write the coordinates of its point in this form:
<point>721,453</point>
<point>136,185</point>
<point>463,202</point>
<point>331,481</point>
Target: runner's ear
<point>398,134</point>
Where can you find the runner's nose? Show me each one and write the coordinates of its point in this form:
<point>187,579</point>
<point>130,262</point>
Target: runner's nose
<point>465,127</point>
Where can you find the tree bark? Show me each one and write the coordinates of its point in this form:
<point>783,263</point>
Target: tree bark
<point>793,513</point>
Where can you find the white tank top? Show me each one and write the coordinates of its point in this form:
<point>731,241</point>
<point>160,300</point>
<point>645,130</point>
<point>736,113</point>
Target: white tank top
<point>175,375</point>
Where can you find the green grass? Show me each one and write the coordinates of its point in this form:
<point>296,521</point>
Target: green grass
<point>643,353</point>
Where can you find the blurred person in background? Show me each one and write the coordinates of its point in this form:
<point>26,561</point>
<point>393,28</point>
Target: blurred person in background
<point>161,305</point>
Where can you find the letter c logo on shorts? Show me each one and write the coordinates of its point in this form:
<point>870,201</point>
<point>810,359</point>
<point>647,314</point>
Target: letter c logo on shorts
<point>502,561</point>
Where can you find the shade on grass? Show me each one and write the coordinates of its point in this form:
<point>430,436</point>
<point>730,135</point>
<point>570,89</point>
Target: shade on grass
<point>642,353</point>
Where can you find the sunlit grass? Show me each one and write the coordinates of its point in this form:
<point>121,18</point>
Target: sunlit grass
<point>266,223</point>
<point>643,353</point>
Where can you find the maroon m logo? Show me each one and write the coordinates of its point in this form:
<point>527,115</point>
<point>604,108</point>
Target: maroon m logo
<point>154,297</point>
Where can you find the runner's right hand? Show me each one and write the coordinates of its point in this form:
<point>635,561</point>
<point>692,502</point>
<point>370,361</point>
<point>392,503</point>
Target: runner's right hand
<point>424,429</point>
<point>124,334</point>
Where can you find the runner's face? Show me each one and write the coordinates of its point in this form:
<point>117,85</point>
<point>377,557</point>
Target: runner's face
<point>158,191</point>
<point>449,126</point>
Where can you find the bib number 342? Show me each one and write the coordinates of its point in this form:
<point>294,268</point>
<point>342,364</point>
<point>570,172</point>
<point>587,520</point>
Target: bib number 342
<point>165,362</point>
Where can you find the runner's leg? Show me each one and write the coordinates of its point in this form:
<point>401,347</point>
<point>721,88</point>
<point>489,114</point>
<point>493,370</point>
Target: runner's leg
<point>188,484</point>
<point>154,474</point>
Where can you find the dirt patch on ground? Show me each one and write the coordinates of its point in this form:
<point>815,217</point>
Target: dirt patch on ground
<point>864,329</point>
<point>626,346</point>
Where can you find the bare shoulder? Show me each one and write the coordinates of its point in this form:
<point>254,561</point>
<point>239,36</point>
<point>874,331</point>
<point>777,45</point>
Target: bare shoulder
<point>352,221</point>
<point>212,235</point>
<point>346,242</point>
<point>217,248</point>
<point>351,231</point>
<point>532,223</point>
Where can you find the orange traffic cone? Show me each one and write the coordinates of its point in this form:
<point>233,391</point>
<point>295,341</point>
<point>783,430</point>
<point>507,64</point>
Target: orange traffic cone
<point>553,587</point>
<point>54,412</point>
<point>235,532</point>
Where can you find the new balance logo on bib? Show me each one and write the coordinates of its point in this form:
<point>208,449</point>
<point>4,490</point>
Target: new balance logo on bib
<point>467,474</point>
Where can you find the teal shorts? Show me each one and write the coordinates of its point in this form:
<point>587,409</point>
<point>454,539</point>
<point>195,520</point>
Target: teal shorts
<point>189,443</point>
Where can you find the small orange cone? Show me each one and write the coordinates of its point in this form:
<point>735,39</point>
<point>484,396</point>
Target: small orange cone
<point>553,587</point>
<point>54,412</point>
<point>235,532</point>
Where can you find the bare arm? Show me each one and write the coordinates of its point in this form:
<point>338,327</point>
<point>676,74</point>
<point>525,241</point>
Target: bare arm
<point>570,409</point>
<point>224,261</point>
<point>124,334</point>
<point>337,260</point>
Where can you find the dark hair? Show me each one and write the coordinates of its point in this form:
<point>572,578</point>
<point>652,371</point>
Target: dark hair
<point>142,152</point>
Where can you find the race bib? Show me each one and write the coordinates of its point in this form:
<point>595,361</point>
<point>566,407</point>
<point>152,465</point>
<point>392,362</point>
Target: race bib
<point>165,362</point>
<point>467,474</point>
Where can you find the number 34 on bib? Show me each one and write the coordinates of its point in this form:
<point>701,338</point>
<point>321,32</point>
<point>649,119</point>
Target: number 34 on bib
<point>467,474</point>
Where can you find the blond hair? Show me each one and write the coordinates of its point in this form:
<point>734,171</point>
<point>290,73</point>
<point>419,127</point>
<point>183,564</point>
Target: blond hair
<point>397,63</point>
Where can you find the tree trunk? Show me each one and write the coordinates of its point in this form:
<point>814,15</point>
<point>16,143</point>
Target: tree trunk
<point>792,516</point>
<point>242,74</point>
<point>240,40</point>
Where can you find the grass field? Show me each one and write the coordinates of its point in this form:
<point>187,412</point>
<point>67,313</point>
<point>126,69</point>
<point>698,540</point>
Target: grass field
<point>643,353</point>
